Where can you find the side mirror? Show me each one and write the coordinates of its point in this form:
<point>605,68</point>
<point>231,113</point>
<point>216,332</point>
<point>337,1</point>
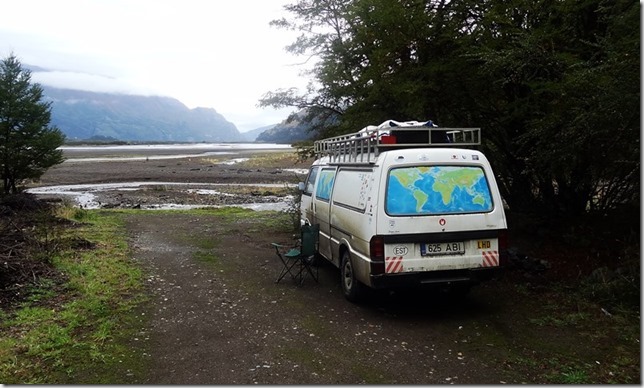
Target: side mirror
<point>300,186</point>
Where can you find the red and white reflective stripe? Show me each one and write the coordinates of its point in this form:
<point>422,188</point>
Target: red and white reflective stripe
<point>490,258</point>
<point>393,264</point>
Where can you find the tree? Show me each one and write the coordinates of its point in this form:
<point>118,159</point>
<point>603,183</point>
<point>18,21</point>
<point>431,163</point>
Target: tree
<point>28,145</point>
<point>565,91</point>
<point>323,25</point>
<point>553,84</point>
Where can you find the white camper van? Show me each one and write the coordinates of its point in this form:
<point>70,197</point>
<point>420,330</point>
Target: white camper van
<point>405,204</point>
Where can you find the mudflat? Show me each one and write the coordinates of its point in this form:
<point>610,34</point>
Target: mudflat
<point>174,177</point>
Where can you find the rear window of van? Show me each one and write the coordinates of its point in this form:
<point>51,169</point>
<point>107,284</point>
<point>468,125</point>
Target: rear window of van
<point>430,190</point>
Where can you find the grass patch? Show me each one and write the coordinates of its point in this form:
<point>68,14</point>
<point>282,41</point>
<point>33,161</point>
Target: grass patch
<point>252,221</point>
<point>566,319</point>
<point>270,159</point>
<point>72,334</point>
<point>210,160</point>
<point>593,346</point>
<point>572,376</point>
<point>258,160</point>
<point>206,257</point>
<point>73,213</point>
<point>273,222</point>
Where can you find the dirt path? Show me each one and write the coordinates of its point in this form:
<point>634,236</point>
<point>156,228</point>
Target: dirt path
<point>196,317</point>
<point>216,317</point>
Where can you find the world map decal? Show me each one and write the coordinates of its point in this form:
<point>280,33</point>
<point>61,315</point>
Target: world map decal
<point>424,190</point>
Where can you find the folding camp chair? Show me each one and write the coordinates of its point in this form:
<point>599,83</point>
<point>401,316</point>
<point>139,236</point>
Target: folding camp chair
<point>298,261</point>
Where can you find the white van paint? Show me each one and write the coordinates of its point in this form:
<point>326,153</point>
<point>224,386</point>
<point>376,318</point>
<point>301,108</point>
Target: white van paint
<point>402,215</point>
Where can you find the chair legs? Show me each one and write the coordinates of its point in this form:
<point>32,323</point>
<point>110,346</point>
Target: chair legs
<point>298,261</point>
<point>298,270</point>
<point>295,265</point>
<point>307,264</point>
<point>286,269</point>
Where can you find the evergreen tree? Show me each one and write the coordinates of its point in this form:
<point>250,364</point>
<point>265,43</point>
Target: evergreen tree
<point>28,145</point>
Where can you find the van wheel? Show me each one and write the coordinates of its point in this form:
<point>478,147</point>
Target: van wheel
<point>352,289</point>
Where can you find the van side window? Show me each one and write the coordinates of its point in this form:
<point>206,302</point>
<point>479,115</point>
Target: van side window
<point>310,181</point>
<point>426,190</point>
<point>325,184</point>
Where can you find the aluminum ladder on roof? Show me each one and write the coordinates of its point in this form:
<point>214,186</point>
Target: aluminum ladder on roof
<point>363,147</point>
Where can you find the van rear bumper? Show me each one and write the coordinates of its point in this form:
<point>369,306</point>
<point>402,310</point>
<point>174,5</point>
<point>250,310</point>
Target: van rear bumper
<point>434,278</point>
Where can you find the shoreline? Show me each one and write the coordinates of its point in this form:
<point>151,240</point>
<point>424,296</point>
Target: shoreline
<point>126,182</point>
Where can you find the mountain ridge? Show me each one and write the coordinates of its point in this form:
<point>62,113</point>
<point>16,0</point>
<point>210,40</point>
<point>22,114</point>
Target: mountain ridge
<point>116,116</point>
<point>290,130</point>
<point>81,114</point>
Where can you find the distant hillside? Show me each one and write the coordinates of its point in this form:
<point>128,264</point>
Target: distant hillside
<point>83,115</point>
<point>288,131</point>
<point>252,134</point>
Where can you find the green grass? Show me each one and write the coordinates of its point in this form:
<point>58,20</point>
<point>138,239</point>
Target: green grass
<point>571,359</point>
<point>254,221</point>
<point>565,319</point>
<point>573,376</point>
<point>206,257</point>
<point>567,372</point>
<point>73,334</point>
<point>270,159</point>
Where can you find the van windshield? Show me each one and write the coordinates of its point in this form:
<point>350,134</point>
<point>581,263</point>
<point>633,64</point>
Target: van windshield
<point>425,190</point>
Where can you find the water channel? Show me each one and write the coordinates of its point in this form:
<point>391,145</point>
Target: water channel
<point>87,196</point>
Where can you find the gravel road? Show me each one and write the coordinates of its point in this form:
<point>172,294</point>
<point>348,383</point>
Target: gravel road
<point>225,321</point>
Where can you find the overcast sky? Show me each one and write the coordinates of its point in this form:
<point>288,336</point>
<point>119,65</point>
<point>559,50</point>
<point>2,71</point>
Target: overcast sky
<point>219,54</point>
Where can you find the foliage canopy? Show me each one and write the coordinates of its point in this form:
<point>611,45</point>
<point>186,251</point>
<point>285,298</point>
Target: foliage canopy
<point>28,145</point>
<point>554,85</point>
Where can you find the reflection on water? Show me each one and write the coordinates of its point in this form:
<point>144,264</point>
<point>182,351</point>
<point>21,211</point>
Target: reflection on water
<point>138,152</point>
<point>150,157</point>
<point>85,195</point>
<point>179,147</point>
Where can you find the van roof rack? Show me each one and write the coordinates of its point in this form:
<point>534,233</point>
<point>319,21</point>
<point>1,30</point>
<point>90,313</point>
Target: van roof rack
<point>364,146</point>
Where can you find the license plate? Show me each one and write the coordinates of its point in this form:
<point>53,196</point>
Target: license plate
<point>437,249</point>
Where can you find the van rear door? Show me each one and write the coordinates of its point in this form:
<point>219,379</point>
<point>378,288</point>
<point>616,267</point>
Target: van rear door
<point>445,215</point>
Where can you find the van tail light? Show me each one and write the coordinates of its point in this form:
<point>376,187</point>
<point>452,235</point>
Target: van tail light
<point>377,255</point>
<point>503,247</point>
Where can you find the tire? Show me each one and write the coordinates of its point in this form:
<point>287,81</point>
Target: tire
<point>352,289</point>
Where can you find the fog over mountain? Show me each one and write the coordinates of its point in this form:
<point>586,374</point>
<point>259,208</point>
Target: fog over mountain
<point>83,115</point>
<point>112,115</point>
